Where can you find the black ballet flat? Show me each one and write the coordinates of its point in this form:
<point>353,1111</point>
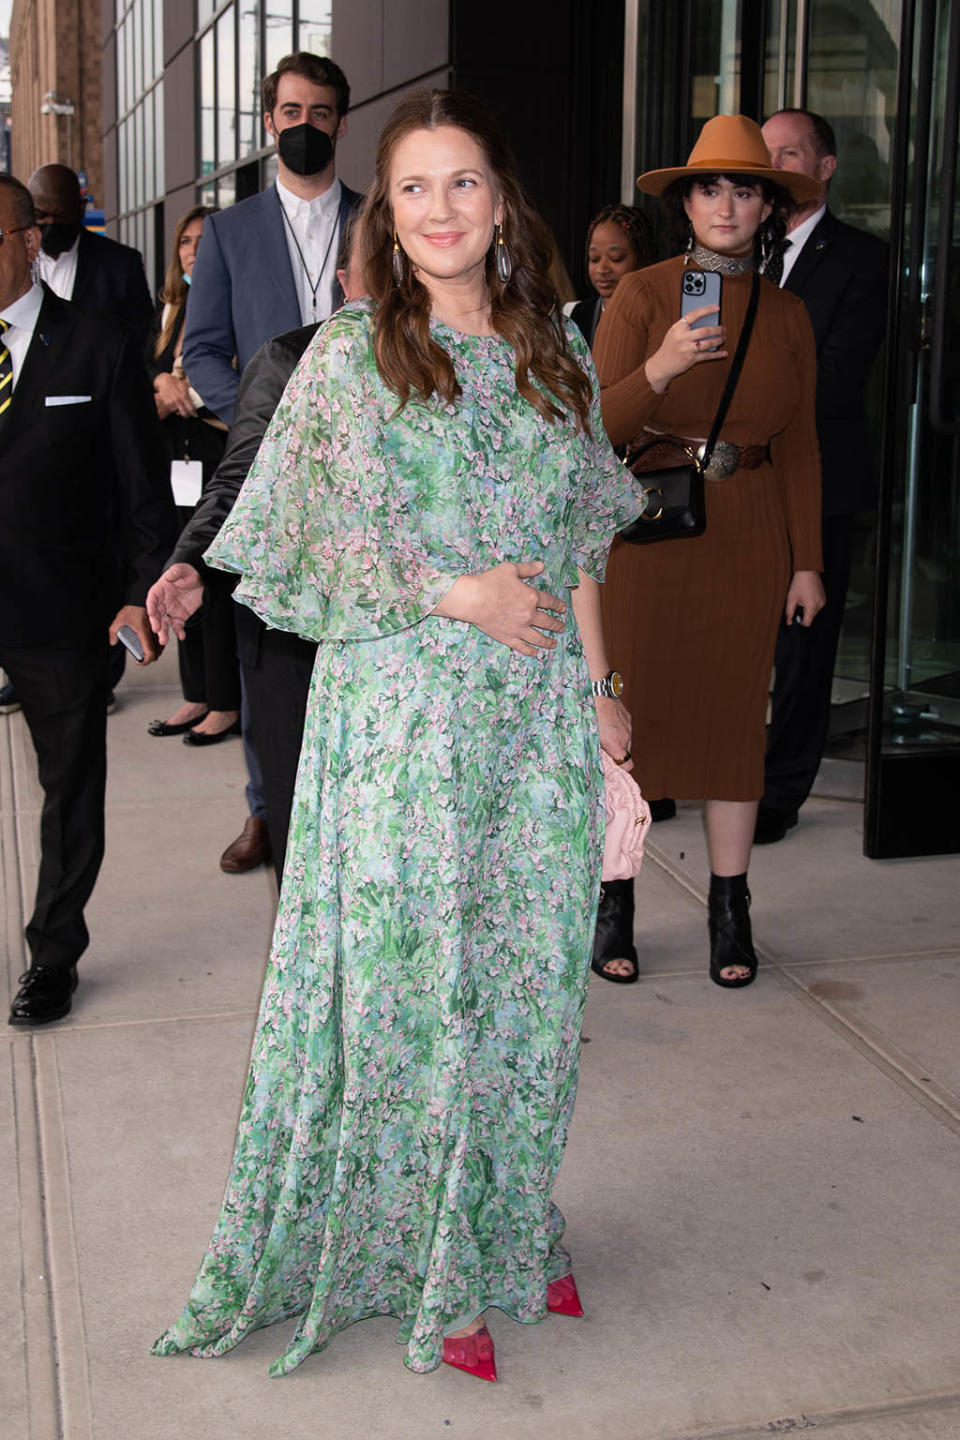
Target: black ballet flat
<point>160,727</point>
<point>197,737</point>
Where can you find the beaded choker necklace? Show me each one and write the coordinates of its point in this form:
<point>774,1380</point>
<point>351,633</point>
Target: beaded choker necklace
<point>724,264</point>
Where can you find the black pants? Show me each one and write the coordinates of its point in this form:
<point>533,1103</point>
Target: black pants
<point>63,690</point>
<point>277,687</point>
<point>800,713</point>
<point>207,656</point>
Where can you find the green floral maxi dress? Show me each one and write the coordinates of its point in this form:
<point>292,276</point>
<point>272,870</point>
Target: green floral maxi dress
<point>414,1066</point>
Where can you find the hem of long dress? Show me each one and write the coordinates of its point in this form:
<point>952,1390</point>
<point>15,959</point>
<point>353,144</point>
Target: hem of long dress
<point>204,1350</point>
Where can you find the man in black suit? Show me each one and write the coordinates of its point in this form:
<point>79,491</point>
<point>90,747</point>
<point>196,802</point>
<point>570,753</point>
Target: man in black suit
<point>100,275</point>
<point>841,275</point>
<point>96,273</point>
<point>86,518</point>
<point>277,665</point>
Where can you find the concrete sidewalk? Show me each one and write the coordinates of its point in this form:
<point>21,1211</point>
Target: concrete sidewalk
<point>760,1186</point>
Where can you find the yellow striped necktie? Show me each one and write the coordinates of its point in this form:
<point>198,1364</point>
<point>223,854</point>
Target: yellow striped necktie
<point>6,370</point>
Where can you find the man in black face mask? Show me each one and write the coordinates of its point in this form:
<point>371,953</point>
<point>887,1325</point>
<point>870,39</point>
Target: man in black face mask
<point>100,275</point>
<point>266,266</point>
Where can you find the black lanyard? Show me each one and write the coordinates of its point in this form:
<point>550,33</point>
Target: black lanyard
<point>314,287</point>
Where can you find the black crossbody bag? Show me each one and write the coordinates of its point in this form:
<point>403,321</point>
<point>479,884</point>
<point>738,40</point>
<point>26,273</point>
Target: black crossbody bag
<point>676,494</point>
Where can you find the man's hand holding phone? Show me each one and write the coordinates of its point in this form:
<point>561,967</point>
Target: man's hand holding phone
<point>133,619</point>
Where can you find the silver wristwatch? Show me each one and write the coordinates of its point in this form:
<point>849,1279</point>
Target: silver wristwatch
<point>610,687</point>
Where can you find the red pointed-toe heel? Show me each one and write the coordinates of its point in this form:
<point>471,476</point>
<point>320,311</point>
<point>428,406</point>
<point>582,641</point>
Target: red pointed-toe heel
<point>473,1353</point>
<point>562,1297</point>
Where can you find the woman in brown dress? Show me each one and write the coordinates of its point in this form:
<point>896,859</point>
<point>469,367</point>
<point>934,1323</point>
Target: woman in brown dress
<point>691,624</point>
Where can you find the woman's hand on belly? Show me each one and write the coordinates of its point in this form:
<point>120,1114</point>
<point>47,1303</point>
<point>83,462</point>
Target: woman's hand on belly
<point>613,722</point>
<point>503,606</point>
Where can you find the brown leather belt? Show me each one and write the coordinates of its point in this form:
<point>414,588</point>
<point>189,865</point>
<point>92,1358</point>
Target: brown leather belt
<point>724,462</point>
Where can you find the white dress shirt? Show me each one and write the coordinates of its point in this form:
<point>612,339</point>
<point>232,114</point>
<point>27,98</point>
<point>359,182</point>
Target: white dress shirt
<point>798,238</point>
<point>60,273</point>
<point>21,317</point>
<point>313,225</point>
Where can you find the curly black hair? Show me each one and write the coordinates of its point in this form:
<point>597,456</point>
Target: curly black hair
<point>634,225</point>
<point>769,236</point>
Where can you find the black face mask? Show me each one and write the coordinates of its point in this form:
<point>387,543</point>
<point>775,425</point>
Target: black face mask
<point>304,149</point>
<point>58,237</point>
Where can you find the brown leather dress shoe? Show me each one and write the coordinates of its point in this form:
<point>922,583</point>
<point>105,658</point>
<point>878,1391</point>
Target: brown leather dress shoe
<point>250,849</point>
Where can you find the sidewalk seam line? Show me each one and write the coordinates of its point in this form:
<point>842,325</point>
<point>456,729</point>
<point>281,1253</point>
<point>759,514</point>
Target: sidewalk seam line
<point>940,1103</point>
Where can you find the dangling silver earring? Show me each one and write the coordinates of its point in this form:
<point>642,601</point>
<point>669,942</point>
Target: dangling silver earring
<point>765,249</point>
<point>504,263</point>
<point>688,253</point>
<point>397,261</point>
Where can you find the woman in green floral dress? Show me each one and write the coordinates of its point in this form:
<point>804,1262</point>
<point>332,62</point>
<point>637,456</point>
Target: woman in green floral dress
<point>434,488</point>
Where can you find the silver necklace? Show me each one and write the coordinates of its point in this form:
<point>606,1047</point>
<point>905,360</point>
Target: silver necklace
<point>725,264</point>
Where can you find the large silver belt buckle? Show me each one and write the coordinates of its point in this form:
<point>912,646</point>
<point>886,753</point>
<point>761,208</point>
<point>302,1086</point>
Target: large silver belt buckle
<point>724,461</point>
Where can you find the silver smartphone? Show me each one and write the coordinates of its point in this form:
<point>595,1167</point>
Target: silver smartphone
<point>697,289</point>
<point>129,638</point>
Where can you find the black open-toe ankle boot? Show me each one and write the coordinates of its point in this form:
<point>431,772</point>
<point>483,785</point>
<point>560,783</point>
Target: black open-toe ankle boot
<point>614,934</point>
<point>731,939</point>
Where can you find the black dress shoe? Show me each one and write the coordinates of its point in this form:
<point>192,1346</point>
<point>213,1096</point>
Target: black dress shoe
<point>45,994</point>
<point>665,809</point>
<point>772,825</point>
<point>161,727</point>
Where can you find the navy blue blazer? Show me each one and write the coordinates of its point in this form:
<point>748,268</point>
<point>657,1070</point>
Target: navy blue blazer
<point>243,293</point>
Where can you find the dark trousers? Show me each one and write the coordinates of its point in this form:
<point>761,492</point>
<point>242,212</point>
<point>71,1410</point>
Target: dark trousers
<point>207,656</point>
<point>800,704</point>
<point>63,690</point>
<point>277,686</point>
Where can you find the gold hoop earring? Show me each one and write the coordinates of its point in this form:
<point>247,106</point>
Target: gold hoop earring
<point>397,260</point>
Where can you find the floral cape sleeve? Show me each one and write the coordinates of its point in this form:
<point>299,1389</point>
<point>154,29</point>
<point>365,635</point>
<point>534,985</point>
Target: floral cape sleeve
<point>321,534</point>
<point>609,496</point>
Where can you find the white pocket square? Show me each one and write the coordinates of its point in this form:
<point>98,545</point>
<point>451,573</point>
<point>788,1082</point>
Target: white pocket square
<point>68,399</point>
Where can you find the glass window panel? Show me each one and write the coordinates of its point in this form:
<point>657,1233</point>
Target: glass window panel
<point>207,105</point>
<point>226,190</point>
<point>278,27</point>
<point>146,32</point>
<point>226,89</point>
<point>313,30</point>
<point>149,149</point>
<point>137,32</point>
<point>208,194</point>
<point>248,99</point>
<point>122,70</point>
<point>158,35</point>
<point>159,138</point>
<point>205,9</point>
<point>138,156</point>
<point>131,91</point>
<point>121,168</point>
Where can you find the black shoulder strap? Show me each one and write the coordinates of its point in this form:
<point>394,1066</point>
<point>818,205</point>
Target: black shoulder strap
<point>735,368</point>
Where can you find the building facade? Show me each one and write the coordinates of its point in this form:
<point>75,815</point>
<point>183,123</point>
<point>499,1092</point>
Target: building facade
<point>56,110</point>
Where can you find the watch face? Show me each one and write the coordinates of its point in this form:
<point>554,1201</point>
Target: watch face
<point>616,684</point>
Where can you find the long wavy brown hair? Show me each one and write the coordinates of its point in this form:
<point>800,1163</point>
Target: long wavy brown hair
<point>174,292</point>
<point>524,310</point>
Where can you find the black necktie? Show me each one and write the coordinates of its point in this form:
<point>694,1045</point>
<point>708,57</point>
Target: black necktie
<point>774,266</point>
<point>6,370</point>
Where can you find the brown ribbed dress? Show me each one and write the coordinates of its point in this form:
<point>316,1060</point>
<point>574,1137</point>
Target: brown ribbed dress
<point>692,624</point>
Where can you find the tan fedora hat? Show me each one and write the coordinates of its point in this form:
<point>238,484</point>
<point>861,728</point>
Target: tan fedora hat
<point>731,145</point>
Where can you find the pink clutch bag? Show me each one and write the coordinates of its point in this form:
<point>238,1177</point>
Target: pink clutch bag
<point>628,820</point>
